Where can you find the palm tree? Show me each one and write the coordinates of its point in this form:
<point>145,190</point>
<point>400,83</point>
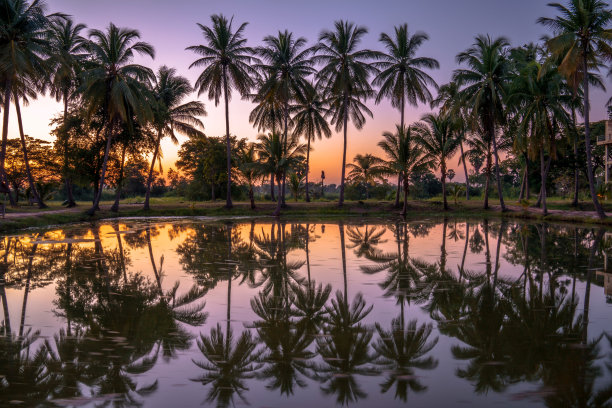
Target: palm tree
<point>285,66</point>
<point>582,37</point>
<point>115,85</point>
<point>402,76</point>
<point>309,120</point>
<point>275,159</point>
<point>367,169</point>
<point>226,60</point>
<point>450,102</point>
<point>405,157</point>
<point>540,97</point>
<point>343,79</point>
<point>24,44</point>
<point>67,53</point>
<point>170,115</point>
<point>483,83</point>
<point>247,164</point>
<point>440,141</point>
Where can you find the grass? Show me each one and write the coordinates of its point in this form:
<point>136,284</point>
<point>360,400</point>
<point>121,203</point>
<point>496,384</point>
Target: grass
<point>25,217</point>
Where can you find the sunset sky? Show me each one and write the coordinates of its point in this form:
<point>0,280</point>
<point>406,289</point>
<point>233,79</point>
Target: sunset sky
<point>170,26</point>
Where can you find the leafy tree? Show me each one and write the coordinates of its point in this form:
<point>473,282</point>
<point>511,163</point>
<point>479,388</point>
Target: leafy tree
<point>367,169</point>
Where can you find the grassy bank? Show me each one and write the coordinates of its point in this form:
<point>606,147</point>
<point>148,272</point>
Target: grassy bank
<point>56,215</point>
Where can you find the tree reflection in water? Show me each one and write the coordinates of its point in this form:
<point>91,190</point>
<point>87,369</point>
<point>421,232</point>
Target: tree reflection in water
<point>510,330</point>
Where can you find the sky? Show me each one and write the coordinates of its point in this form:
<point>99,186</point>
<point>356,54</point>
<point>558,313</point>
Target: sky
<point>170,26</point>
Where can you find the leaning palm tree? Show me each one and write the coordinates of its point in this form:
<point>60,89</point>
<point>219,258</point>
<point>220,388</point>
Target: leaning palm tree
<point>404,157</point>
<point>115,85</point>
<point>170,115</point>
<point>483,83</point>
<point>226,60</point>
<point>583,36</point>
<point>367,170</point>
<point>402,77</point>
<point>309,121</point>
<point>440,140</point>
<point>67,53</point>
<point>286,65</point>
<point>23,47</point>
<point>275,159</point>
<point>344,79</point>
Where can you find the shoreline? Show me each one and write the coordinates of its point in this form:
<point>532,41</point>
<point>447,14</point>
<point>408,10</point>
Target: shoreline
<point>328,210</point>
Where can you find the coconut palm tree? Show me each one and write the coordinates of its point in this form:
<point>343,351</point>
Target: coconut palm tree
<point>309,121</point>
<point>344,79</point>
<point>582,36</point>
<point>483,90</point>
<point>275,159</point>
<point>285,65</point>
<point>24,45</point>
<point>247,164</point>
<point>66,55</point>
<point>440,140</point>
<point>367,170</point>
<point>115,84</point>
<point>404,157</point>
<point>450,102</point>
<point>402,77</point>
<point>170,114</point>
<point>226,60</point>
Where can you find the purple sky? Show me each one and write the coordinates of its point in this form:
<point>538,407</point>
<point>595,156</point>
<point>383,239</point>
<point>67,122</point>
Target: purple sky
<point>170,27</point>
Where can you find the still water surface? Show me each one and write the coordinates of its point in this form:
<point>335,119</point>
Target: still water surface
<point>198,313</point>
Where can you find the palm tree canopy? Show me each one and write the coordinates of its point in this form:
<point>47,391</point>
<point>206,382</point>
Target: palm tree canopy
<point>224,54</point>
<point>366,169</point>
<point>438,136</point>
<point>402,75</point>
<point>309,115</point>
<point>404,153</point>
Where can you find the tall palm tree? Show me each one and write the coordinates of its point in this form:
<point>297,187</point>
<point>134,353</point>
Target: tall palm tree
<point>366,169</point>
<point>67,53</point>
<point>285,65</point>
<point>405,157</point>
<point>344,79</point>
<point>226,60</point>
<point>309,120</point>
<point>23,47</point>
<point>440,141</point>
<point>402,77</point>
<point>116,85</point>
<point>170,115</point>
<point>450,102</point>
<point>275,159</point>
<point>582,36</point>
<point>483,83</point>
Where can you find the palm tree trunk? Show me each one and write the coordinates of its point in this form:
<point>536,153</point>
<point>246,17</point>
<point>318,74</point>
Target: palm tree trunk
<point>397,194</point>
<point>152,259</point>
<point>24,148</point>
<point>272,187</point>
<point>467,180</point>
<point>228,200</point>
<point>98,196</point>
<point>587,136</point>
<point>229,287</point>
<point>150,176</point>
<point>115,206</point>
<point>279,202</point>
<point>497,175</point>
<point>26,290</point>
<point>7,317</point>
<point>67,180</point>
<point>576,171</point>
<point>465,247</point>
<point>251,197</point>
<point>285,136</point>
<point>5,123</point>
<point>443,246</point>
<point>488,174</point>
<point>405,208</point>
<point>121,254</point>
<point>307,168</point>
<point>343,250</point>
<point>543,186</point>
<point>443,180</point>
<point>341,200</point>
<point>308,253</point>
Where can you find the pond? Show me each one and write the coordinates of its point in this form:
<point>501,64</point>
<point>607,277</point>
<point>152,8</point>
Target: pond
<point>183,312</point>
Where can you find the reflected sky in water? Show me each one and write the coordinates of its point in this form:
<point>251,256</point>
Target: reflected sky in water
<point>434,313</point>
